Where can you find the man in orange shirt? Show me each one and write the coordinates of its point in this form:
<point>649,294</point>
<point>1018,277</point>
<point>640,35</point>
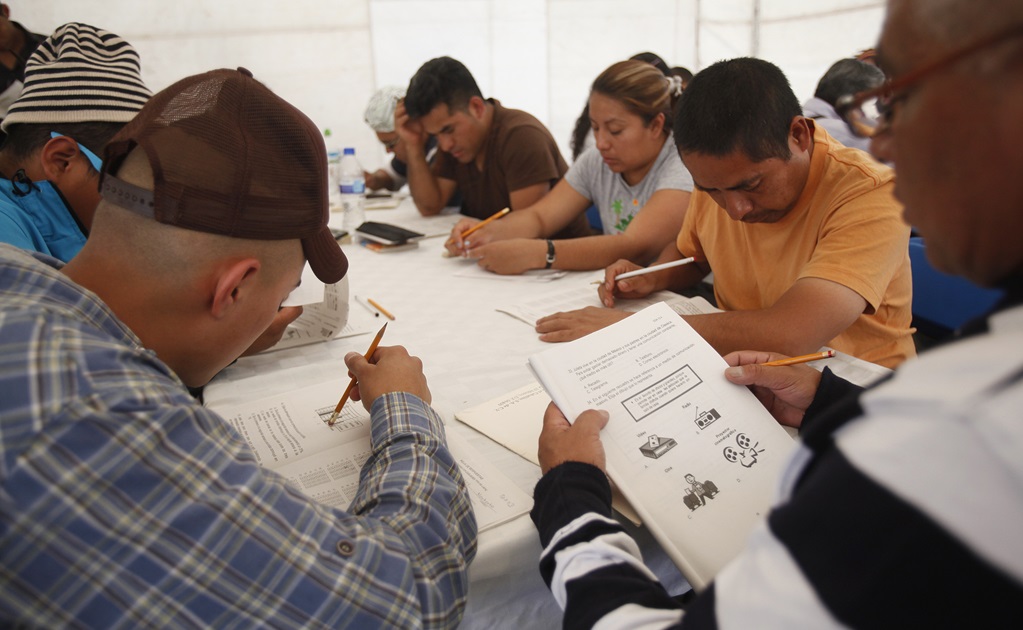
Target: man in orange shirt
<point>804,235</point>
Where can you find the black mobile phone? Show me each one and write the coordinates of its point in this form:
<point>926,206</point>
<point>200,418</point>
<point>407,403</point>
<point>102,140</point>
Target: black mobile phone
<point>386,233</point>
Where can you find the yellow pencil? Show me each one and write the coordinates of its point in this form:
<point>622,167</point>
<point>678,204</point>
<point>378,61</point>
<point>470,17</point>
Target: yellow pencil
<point>806,358</point>
<point>351,383</point>
<point>493,217</point>
<point>383,310</point>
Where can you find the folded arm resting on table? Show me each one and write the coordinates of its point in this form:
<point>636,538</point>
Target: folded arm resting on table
<point>807,316</point>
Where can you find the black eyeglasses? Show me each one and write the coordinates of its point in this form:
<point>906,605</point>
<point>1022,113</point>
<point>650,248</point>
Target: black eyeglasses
<point>851,107</point>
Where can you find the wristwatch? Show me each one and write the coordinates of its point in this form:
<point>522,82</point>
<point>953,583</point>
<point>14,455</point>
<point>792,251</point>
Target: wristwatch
<point>550,253</point>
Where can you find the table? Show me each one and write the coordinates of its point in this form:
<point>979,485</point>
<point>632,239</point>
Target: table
<point>471,353</point>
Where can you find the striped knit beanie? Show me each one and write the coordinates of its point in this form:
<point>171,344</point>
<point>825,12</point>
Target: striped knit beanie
<point>80,74</point>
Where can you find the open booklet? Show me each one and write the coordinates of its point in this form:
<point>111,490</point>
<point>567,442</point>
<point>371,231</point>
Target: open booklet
<point>515,420</point>
<point>696,456</point>
<point>289,434</point>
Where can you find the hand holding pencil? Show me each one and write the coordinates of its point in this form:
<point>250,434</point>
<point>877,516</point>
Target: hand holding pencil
<point>784,386</point>
<point>352,383</point>
<point>456,243</point>
<point>387,369</point>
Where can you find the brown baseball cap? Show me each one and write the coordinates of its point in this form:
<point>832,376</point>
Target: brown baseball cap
<point>229,157</point>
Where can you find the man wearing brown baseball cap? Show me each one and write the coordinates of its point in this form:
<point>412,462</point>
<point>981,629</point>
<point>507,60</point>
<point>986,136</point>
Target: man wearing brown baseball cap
<point>129,504</point>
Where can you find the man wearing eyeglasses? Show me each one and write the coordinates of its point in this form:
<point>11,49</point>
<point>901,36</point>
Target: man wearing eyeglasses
<point>81,86</point>
<point>901,508</point>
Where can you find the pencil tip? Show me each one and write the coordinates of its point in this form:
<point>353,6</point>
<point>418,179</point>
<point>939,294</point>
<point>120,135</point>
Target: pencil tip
<point>332,420</point>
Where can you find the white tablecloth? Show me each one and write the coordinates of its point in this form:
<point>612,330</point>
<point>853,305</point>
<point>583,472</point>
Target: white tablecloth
<point>471,353</point>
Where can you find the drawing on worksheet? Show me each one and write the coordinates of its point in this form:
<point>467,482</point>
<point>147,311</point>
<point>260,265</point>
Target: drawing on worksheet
<point>696,492</point>
<point>706,418</point>
<point>744,452</point>
<point>656,446</point>
<point>676,424</point>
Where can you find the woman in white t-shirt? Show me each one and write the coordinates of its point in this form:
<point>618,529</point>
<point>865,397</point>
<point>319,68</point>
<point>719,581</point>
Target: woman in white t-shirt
<point>633,175</point>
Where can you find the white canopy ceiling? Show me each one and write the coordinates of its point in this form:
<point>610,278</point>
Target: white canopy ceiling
<point>328,56</point>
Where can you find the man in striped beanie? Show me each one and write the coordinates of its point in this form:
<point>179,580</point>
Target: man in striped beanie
<point>17,44</point>
<point>81,86</point>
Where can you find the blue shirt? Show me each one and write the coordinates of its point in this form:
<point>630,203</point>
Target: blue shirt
<point>126,504</point>
<point>35,216</point>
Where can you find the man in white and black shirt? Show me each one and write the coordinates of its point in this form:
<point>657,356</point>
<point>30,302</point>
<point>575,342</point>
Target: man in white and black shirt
<point>902,505</point>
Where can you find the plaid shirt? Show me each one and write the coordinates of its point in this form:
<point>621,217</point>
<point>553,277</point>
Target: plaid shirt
<point>126,504</point>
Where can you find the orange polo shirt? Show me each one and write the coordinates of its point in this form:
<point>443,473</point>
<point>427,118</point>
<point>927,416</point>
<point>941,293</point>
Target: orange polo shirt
<point>846,227</point>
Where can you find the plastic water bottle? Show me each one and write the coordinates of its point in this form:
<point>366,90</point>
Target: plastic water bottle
<point>333,171</point>
<point>334,178</point>
<point>353,191</point>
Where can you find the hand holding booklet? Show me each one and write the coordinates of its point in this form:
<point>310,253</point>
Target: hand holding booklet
<point>696,456</point>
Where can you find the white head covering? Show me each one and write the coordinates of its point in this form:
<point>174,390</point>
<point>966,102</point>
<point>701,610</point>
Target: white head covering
<point>380,110</point>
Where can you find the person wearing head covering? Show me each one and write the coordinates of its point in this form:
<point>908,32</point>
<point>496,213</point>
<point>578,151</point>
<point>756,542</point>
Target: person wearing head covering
<point>380,118</point>
<point>127,504</point>
<point>81,86</point>
<point>16,45</point>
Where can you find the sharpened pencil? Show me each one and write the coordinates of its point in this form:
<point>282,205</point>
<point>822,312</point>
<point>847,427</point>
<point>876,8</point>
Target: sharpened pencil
<point>805,358</point>
<point>497,215</point>
<point>351,383</point>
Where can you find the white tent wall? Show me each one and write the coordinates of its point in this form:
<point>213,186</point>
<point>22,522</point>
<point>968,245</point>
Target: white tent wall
<point>328,56</point>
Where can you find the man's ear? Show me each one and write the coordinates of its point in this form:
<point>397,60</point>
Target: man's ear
<point>58,156</point>
<point>476,107</point>
<point>232,282</point>
<point>800,133</point>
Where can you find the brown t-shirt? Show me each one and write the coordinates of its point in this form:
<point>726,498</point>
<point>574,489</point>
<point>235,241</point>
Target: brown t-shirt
<point>518,152</point>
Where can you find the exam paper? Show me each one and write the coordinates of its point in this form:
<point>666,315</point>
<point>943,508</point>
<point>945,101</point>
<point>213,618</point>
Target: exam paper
<point>289,434</point>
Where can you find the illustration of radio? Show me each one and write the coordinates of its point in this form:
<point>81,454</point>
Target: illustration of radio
<point>657,446</point>
<point>706,418</point>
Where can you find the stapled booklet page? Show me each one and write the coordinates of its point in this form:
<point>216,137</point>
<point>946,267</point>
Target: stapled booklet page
<point>696,456</point>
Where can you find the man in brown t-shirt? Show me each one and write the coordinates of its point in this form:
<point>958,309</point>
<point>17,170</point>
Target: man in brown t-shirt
<point>494,156</point>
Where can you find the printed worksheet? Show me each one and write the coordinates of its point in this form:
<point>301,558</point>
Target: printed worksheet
<point>514,420</point>
<point>289,434</point>
<point>697,456</point>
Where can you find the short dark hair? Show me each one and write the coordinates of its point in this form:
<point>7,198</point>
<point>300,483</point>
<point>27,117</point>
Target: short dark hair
<point>847,76</point>
<point>653,59</point>
<point>745,104</point>
<point>441,80</point>
<point>23,139</point>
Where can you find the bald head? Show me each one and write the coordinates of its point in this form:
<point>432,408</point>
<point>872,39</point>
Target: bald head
<point>942,25</point>
<point>955,130</point>
<point>171,253</point>
<point>197,299</point>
